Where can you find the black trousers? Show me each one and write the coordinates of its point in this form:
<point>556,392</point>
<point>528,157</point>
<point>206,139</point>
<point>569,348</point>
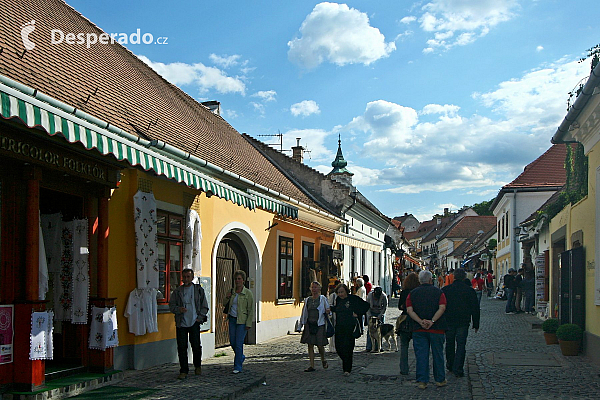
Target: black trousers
<point>193,332</point>
<point>344,345</point>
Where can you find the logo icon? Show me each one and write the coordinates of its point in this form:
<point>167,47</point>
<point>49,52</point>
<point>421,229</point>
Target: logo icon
<point>26,29</point>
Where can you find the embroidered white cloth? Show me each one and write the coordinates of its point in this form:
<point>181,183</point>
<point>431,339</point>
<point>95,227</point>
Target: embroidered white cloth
<point>43,267</point>
<point>63,280</point>
<point>40,339</point>
<point>51,232</point>
<point>141,311</point>
<point>192,245</point>
<point>81,281</point>
<point>146,241</point>
<point>103,329</point>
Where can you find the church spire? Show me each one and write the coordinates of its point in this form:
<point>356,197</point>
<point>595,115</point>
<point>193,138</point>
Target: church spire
<point>339,173</point>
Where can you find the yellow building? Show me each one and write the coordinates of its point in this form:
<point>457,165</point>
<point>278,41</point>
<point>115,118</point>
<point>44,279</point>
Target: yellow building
<point>575,231</point>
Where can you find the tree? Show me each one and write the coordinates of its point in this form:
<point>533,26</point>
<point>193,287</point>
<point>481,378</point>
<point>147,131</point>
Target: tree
<point>483,208</point>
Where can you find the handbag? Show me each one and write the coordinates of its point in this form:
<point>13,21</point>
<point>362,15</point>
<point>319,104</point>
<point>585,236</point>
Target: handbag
<point>226,308</point>
<point>330,328</point>
<point>358,330</point>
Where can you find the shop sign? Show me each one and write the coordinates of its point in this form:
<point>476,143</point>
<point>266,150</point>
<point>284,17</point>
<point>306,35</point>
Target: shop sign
<point>40,153</point>
<point>7,313</point>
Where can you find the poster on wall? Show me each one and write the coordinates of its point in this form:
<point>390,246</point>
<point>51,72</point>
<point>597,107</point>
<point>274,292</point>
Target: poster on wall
<point>7,313</point>
<point>540,277</point>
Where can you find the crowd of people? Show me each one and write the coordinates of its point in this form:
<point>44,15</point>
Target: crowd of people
<point>519,288</point>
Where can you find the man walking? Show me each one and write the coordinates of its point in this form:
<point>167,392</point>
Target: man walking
<point>426,305</point>
<point>509,288</point>
<point>462,307</point>
<point>519,289</point>
<point>188,303</point>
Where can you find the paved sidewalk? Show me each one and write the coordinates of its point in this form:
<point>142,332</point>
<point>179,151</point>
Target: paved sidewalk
<point>506,359</point>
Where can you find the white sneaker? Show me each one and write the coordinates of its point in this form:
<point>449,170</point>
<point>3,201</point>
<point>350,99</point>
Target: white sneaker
<point>235,371</point>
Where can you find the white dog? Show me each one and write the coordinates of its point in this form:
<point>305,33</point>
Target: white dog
<point>380,332</point>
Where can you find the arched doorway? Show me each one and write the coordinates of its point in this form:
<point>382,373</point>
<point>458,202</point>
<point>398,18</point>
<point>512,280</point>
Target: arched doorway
<point>231,256</point>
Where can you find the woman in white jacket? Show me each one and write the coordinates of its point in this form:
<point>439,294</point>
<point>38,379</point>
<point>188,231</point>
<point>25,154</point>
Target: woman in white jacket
<point>316,309</point>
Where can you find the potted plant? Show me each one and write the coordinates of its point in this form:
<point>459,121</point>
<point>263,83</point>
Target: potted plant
<point>549,327</point>
<point>569,336</point>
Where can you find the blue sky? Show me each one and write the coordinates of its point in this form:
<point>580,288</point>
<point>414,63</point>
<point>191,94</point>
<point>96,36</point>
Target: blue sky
<point>439,102</point>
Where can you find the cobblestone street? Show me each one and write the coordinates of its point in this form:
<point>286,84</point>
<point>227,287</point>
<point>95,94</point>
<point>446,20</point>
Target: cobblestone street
<point>506,359</point>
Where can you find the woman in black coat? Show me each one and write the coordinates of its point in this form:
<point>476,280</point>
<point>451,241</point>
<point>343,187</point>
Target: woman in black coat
<point>348,308</point>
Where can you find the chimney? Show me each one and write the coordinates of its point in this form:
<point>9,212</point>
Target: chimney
<point>446,212</point>
<point>439,221</point>
<point>298,152</point>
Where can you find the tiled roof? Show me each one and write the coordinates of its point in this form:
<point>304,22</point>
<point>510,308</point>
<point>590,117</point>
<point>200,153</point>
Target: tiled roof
<point>548,170</point>
<point>123,91</point>
<point>469,226</point>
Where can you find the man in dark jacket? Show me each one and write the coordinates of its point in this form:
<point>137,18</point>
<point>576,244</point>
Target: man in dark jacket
<point>426,305</point>
<point>509,288</point>
<point>462,307</point>
<point>188,303</point>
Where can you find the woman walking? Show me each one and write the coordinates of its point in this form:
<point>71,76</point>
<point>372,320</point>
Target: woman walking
<point>348,309</point>
<point>478,284</point>
<point>410,282</point>
<point>241,313</point>
<point>314,314</point>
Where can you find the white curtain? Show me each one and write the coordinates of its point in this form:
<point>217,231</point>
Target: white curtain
<point>146,241</point>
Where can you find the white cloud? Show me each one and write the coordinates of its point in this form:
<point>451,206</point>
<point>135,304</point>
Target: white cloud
<point>259,107</point>
<point>408,20</point>
<point>446,151</point>
<point>305,108</point>
<point>225,61</point>
<point>266,95</point>
<point>539,48</point>
<point>338,34</point>
<point>203,77</point>
<point>460,22</point>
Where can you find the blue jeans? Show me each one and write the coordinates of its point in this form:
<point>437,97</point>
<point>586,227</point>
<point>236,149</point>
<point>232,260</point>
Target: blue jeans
<point>529,300</point>
<point>404,342</point>
<point>237,334</point>
<point>455,361</point>
<point>510,302</point>
<point>479,293</point>
<point>369,344</point>
<point>421,343</point>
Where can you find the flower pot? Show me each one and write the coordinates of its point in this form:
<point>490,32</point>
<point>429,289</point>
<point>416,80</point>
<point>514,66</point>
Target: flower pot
<point>550,338</point>
<point>569,347</point>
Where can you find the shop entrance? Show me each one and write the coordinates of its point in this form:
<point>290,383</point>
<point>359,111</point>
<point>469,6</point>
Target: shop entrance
<point>231,256</point>
<point>56,209</point>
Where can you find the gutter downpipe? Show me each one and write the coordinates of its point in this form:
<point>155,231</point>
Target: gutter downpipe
<point>514,231</point>
<point>158,144</point>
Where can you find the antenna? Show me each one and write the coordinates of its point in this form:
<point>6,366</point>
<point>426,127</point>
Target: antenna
<point>279,135</point>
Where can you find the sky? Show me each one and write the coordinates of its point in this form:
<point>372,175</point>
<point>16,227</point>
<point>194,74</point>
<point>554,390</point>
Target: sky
<point>439,103</point>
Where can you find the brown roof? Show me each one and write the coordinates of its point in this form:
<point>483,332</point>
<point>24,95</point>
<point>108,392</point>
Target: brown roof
<point>548,170</point>
<point>469,226</point>
<point>125,92</point>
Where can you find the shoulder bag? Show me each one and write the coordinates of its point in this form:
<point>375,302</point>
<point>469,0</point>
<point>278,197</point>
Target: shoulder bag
<point>358,330</point>
<point>330,328</point>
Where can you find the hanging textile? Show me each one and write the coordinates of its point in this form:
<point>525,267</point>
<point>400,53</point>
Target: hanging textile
<point>141,311</point>
<point>51,232</point>
<point>43,266</point>
<point>103,329</point>
<point>193,239</point>
<point>40,339</point>
<point>81,281</point>
<point>146,241</point>
<point>63,288</point>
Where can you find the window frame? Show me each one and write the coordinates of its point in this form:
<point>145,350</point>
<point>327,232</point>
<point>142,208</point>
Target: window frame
<point>285,293</point>
<point>170,240</point>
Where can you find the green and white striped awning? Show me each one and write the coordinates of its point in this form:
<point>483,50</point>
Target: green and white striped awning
<point>270,204</point>
<point>34,112</point>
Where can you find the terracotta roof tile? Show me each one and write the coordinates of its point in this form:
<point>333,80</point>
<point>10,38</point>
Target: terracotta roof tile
<point>548,170</point>
<point>469,226</point>
<point>128,93</point>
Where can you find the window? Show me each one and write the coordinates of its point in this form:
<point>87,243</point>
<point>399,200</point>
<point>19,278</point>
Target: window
<point>170,253</point>
<point>507,235</point>
<point>286,268</point>
<point>352,261</point>
<point>363,261</point>
<point>376,262</point>
<point>502,226</point>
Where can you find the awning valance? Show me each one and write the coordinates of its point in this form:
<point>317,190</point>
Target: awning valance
<point>348,240</point>
<point>411,259</point>
<point>276,206</point>
<point>54,121</point>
